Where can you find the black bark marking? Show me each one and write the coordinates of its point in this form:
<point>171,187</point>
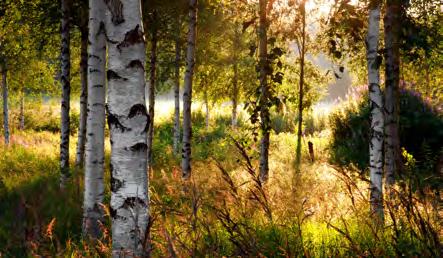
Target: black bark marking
<point>101,29</point>
<point>116,184</point>
<point>148,124</point>
<point>131,202</point>
<point>113,122</point>
<point>132,37</point>
<point>111,75</point>
<point>136,64</point>
<point>139,147</point>
<point>113,213</point>
<point>116,9</point>
<point>137,109</point>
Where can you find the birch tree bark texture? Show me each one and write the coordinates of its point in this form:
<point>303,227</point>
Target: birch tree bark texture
<point>376,117</point>
<point>187,94</point>
<point>95,126</point>
<point>66,92</point>
<point>128,123</point>
<point>264,110</point>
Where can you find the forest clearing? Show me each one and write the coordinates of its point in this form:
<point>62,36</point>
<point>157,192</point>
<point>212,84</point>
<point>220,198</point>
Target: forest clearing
<point>221,128</point>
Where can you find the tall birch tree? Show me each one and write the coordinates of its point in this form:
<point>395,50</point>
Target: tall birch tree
<point>66,91</point>
<point>376,106</point>
<point>95,126</point>
<point>128,123</point>
<point>187,94</point>
<point>264,109</point>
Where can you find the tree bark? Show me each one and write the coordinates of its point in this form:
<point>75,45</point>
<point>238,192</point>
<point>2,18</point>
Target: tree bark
<point>5,105</point>
<point>206,106</point>
<point>392,71</point>
<point>128,123</point>
<point>377,120</point>
<point>234,121</point>
<point>187,94</point>
<point>235,79</point>
<point>95,126</point>
<point>264,110</point>
<point>152,82</point>
<point>66,92</point>
<point>301,87</point>
<point>177,92</point>
<point>22,110</point>
<point>81,139</point>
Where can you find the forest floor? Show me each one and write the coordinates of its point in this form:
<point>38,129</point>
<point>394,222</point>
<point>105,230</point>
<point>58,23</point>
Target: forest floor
<point>222,211</point>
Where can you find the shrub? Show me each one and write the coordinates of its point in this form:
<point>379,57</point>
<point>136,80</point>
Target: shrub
<point>421,131</point>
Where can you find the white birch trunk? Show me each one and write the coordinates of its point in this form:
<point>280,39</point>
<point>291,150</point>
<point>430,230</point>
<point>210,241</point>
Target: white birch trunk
<point>95,126</point>
<point>187,94</point>
<point>5,106</point>
<point>66,92</point>
<point>377,120</point>
<point>128,122</point>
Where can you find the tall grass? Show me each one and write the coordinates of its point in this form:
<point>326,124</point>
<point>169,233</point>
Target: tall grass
<point>224,210</point>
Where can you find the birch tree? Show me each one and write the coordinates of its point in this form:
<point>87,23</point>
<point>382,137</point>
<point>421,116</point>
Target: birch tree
<point>376,106</point>
<point>187,94</point>
<point>95,126</point>
<point>128,123</point>
<point>264,109</point>
<point>66,91</point>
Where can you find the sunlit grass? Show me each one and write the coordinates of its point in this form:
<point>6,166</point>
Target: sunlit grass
<point>306,209</point>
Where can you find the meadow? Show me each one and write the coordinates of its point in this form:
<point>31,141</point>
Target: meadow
<point>224,210</point>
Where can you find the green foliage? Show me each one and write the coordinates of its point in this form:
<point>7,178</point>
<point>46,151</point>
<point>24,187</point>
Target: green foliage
<point>30,199</point>
<point>421,131</point>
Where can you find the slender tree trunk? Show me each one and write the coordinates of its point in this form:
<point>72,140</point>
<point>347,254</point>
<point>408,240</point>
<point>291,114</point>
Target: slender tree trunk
<point>236,46</point>
<point>177,92</point>
<point>152,82</point>
<point>206,107</point>
<point>187,94</point>
<point>95,126</point>
<point>377,120</point>
<point>301,88</point>
<point>66,92</point>
<point>22,110</point>
<point>264,110</point>
<point>392,71</point>
<point>235,96</point>
<point>5,105</point>
<point>79,160</point>
<point>128,123</point>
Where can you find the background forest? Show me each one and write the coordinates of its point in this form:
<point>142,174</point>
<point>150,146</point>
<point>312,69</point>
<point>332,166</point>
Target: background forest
<point>221,128</point>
